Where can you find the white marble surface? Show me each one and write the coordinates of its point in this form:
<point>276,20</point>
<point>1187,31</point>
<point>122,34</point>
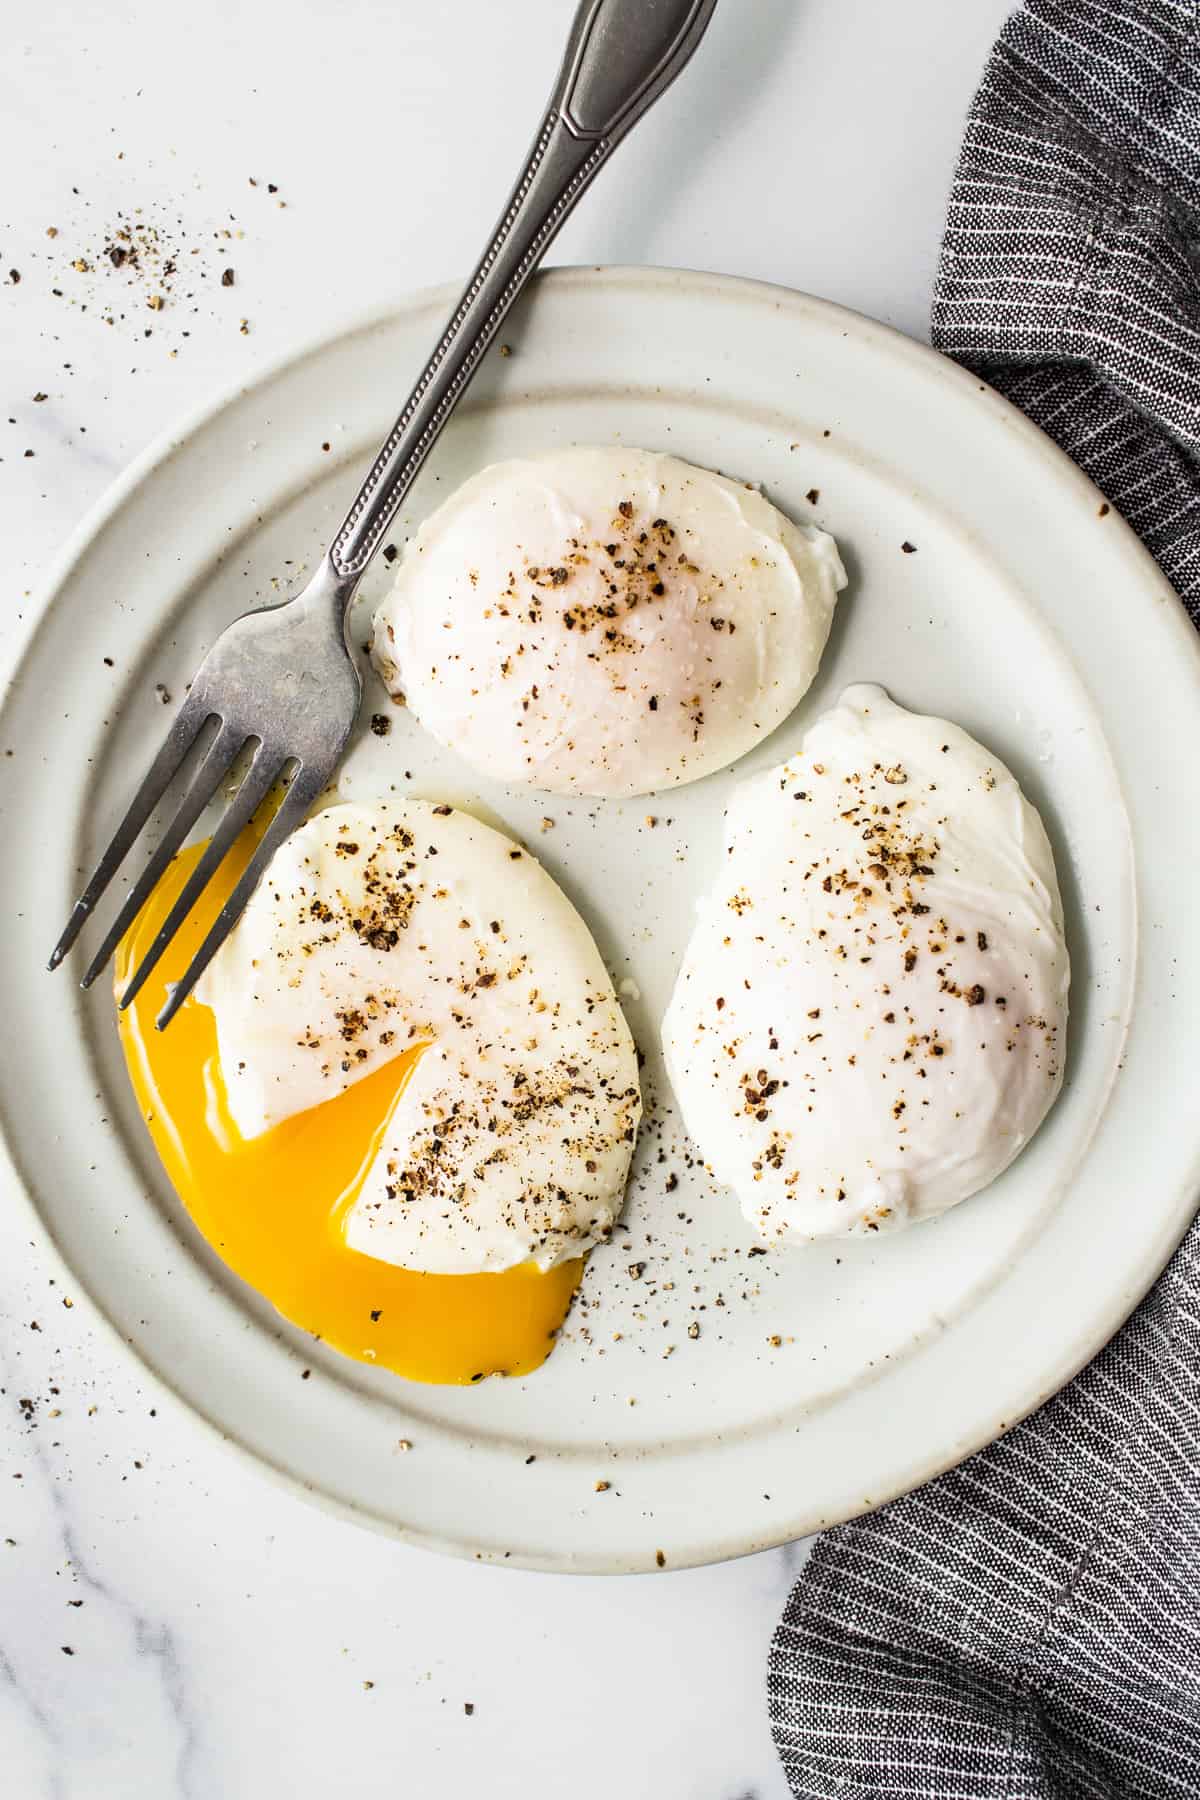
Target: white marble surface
<point>170,1624</point>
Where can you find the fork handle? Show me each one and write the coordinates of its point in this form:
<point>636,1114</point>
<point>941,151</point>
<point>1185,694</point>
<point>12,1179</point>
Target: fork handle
<point>621,55</point>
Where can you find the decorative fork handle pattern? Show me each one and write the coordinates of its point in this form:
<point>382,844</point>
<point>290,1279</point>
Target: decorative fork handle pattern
<point>621,55</point>
<point>558,170</point>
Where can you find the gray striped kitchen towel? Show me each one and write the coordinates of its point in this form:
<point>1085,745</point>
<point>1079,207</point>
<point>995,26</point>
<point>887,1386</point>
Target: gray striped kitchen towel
<point>1028,1626</point>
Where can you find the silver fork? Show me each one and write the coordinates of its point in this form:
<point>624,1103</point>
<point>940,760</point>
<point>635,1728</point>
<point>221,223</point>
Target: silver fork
<point>282,681</point>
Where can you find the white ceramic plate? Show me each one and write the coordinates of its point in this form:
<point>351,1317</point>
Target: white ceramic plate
<point>1027,612</point>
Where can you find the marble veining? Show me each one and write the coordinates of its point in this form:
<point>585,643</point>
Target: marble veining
<point>53,1692</point>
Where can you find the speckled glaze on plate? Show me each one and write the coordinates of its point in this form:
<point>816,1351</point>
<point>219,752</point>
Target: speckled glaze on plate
<point>820,1382</point>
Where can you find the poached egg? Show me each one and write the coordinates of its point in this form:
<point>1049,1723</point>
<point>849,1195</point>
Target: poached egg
<point>605,621</point>
<point>403,1100</point>
<point>869,1021</point>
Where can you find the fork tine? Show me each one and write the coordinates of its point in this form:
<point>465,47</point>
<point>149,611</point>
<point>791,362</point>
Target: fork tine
<point>203,786</point>
<point>241,809</point>
<point>179,740</point>
<point>299,798</point>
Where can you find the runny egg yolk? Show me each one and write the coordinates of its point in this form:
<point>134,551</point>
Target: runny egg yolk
<point>272,1207</point>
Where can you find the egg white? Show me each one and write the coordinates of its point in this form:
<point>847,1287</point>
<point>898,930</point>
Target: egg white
<point>870,1017</point>
<point>378,928</point>
<point>605,621</point>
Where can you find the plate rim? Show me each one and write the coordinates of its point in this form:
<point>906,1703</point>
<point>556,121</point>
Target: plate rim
<point>1036,446</point>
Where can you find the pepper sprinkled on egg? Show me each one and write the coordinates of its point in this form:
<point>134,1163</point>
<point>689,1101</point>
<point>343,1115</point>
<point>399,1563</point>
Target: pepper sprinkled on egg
<point>869,1021</point>
<point>606,621</point>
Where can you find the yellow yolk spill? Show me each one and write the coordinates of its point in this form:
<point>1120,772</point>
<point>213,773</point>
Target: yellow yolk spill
<point>272,1206</point>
